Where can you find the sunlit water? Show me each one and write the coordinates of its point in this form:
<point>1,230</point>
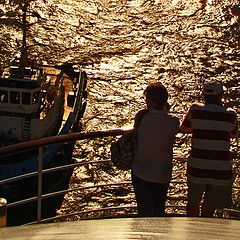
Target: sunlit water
<point>123,45</point>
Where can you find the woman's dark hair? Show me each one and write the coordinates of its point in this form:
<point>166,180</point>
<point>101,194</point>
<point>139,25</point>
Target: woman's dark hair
<point>157,93</point>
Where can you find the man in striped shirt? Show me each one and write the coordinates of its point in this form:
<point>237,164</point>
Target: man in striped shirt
<point>209,170</point>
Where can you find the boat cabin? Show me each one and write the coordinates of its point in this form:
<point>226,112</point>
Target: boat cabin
<point>19,95</point>
<point>27,105</point>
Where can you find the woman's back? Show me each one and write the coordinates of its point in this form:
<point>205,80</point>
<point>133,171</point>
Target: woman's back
<point>156,136</point>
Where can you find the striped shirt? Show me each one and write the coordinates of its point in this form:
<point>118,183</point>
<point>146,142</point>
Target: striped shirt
<point>211,126</point>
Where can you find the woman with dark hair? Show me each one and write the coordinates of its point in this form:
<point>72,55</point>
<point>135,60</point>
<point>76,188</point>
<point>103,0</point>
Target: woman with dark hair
<point>152,165</point>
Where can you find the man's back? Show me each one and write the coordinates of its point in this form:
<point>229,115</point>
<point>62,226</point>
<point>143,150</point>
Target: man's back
<point>211,126</point>
<point>209,169</point>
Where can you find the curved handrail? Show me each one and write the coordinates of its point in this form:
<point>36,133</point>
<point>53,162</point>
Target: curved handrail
<point>62,138</point>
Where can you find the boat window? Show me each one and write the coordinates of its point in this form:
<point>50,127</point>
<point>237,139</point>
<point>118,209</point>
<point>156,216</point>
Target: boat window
<point>35,97</point>
<point>3,96</point>
<point>26,98</point>
<point>14,97</point>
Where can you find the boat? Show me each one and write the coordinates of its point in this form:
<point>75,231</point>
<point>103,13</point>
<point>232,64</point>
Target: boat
<point>37,101</point>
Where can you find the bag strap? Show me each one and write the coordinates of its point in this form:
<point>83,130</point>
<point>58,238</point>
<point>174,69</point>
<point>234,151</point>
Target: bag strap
<point>139,117</point>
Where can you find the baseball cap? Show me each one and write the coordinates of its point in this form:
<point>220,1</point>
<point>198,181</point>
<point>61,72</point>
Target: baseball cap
<point>213,88</point>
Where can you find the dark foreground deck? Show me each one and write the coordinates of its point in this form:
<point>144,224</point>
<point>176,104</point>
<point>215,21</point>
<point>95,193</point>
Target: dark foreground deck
<point>181,228</point>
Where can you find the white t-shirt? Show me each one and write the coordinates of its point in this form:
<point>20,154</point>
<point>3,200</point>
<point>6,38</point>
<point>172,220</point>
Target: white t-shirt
<point>154,153</point>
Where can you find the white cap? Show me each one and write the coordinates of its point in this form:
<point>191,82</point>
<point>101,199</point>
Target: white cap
<point>213,88</point>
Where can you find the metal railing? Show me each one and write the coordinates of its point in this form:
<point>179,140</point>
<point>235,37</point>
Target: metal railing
<point>39,143</point>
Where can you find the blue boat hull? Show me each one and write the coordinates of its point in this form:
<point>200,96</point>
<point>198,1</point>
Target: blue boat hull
<point>55,181</point>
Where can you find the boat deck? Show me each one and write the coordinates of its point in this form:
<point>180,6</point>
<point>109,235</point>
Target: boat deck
<point>181,228</point>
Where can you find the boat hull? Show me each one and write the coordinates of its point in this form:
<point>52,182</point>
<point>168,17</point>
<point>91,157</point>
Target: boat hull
<point>28,188</point>
<point>14,164</point>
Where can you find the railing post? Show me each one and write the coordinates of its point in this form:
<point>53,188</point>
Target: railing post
<point>40,173</point>
<point>3,212</point>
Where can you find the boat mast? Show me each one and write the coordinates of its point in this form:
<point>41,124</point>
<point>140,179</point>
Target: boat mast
<point>23,59</point>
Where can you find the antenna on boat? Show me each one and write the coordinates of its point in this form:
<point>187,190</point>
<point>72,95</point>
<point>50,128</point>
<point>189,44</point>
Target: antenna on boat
<point>24,58</point>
